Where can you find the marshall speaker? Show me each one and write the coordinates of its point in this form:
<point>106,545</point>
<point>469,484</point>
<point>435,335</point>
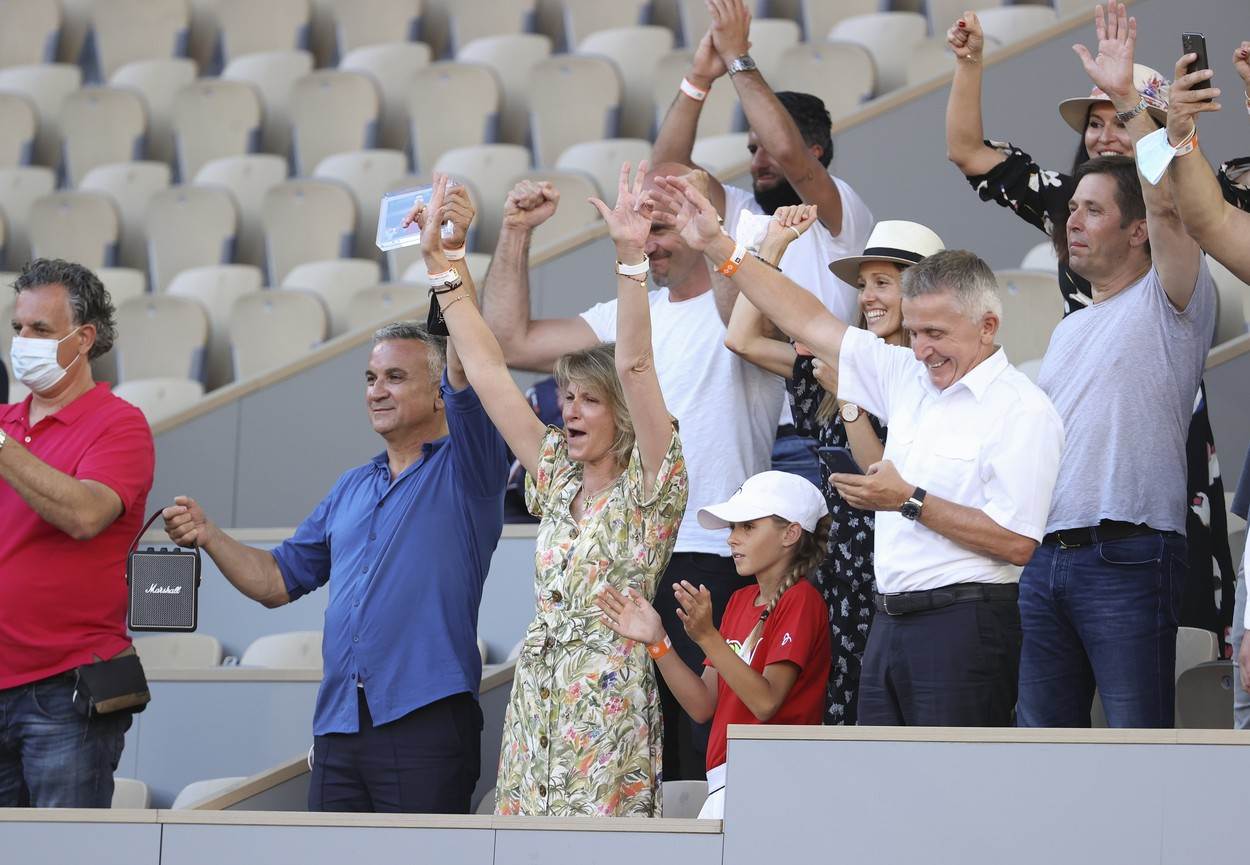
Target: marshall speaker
<point>164,587</point>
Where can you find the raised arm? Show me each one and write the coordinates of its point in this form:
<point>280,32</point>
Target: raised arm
<point>479,351</point>
<point>629,223</point>
<point>526,344</point>
<point>1218,227</point>
<point>965,136</point>
<point>1174,253</point>
<point>675,140</point>
<point>460,212</point>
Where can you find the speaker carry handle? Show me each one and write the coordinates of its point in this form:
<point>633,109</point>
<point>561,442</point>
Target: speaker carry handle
<point>134,546</point>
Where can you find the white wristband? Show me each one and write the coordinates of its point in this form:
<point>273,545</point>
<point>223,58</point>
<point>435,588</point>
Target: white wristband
<point>634,269</point>
<point>442,278</point>
<point>454,254</point>
<point>695,93</point>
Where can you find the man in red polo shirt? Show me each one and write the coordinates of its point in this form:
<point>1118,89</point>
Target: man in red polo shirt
<point>76,466</point>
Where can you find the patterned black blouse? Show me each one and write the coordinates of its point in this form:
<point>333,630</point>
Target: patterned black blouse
<point>1040,197</point>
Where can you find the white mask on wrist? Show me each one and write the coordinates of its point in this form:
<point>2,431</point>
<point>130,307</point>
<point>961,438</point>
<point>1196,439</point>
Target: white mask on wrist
<point>35,364</point>
<point>751,229</point>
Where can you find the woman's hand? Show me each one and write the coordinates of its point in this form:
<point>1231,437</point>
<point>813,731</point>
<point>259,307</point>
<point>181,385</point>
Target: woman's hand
<point>695,611</point>
<point>787,225</point>
<point>1112,69</point>
<point>630,615</point>
<point>629,222</point>
<point>692,215</point>
<point>1241,62</point>
<point>966,39</point>
<point>1185,103</point>
<point>826,375</point>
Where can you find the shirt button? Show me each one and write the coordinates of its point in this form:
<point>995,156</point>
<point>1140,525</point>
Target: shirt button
<point>365,569</point>
<point>27,439</point>
<point>545,693</point>
<point>542,741</point>
<point>556,597</point>
<point>356,639</point>
<point>353,676</point>
<point>372,537</point>
<point>542,789</point>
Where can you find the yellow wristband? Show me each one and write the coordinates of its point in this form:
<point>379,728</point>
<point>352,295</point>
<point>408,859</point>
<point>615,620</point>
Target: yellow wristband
<point>659,650</point>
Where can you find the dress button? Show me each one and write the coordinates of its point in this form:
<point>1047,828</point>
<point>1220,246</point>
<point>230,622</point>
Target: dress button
<point>544,692</point>
<point>542,789</point>
<point>549,643</point>
<point>572,531</point>
<point>542,741</point>
<point>556,597</point>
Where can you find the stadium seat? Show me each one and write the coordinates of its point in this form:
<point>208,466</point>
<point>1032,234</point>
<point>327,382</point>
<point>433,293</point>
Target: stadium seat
<point>359,23</point>
<point>1230,302</point>
<point>123,31</point>
<point>178,651</point>
<point>1041,257</point>
<point>931,58</point>
<point>1032,307</point>
<point>840,74</point>
<point>890,38</point>
<point>100,125</point>
<point>478,264</point>
<point>636,52</point>
<point>590,83</point>
<point>720,152</point>
<point>1194,646</point>
<point>720,109</point>
<point>771,38</point>
<point>306,220</point>
<point>18,124</point>
<point>160,399</point>
<point>78,226</point>
<point>198,791</point>
<point>583,19</point>
<point>248,178</point>
<point>1073,7</point>
<point>943,14</point>
<point>488,170</point>
<point>449,25</point>
<point>332,111</point>
<point>28,31</point>
<point>512,57</point>
<point>123,283</point>
<point>46,86</point>
<point>487,804</point>
<point>130,793</point>
<point>819,16</point>
<point>1008,24</point>
<point>75,25</point>
<point>273,74</point>
<point>368,174</point>
<point>158,82</point>
<point>684,798</point>
<point>573,213</point>
<point>216,289</point>
<point>131,186</point>
<point>451,105</point>
<point>19,189</point>
<point>160,337</point>
<point>602,160</point>
<point>248,27</point>
<point>214,119</point>
<point>1204,696</point>
<point>336,282</point>
<point>189,226</point>
<point>393,68</point>
<point>376,305</point>
<point>294,650</point>
<point>272,328</point>
<point>515,651</point>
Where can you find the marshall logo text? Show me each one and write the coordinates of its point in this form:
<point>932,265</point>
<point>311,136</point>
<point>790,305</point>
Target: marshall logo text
<point>163,590</point>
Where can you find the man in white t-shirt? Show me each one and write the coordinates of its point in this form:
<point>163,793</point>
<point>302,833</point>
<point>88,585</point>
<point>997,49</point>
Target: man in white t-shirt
<point>790,145</point>
<point>726,408</point>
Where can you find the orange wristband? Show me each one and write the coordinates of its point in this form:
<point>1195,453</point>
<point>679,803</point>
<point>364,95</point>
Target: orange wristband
<point>659,650</point>
<point>731,264</point>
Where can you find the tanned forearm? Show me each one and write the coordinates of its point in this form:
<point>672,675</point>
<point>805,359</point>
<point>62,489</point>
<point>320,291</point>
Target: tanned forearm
<point>691,691</point>
<point>755,691</point>
<point>506,293</point>
<point>972,529</point>
<point>80,509</point>
<point>254,572</point>
<point>675,140</point>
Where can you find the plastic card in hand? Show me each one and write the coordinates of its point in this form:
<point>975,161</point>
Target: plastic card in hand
<point>397,205</point>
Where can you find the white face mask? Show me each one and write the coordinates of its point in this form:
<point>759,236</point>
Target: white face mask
<point>35,364</point>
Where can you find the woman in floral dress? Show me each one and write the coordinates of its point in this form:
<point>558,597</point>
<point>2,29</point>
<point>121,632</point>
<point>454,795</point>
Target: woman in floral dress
<point>582,733</point>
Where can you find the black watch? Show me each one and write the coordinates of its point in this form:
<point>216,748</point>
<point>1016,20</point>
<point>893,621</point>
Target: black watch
<point>911,507</point>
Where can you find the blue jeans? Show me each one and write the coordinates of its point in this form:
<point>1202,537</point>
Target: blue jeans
<point>1105,615</point>
<point>51,756</point>
<point>797,455</point>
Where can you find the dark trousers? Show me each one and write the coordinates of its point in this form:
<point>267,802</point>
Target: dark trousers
<point>426,762</point>
<point>952,667</point>
<point>685,742</point>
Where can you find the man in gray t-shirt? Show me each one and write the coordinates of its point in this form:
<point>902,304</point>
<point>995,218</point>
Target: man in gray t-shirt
<point>1100,599</point>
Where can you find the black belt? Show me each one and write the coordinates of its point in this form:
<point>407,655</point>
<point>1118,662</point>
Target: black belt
<point>1107,530</point>
<point>786,430</point>
<point>902,603</point>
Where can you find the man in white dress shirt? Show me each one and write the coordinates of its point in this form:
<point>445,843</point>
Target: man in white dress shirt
<point>962,492</point>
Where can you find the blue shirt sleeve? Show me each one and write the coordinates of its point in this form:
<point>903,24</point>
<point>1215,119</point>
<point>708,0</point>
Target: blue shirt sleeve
<point>478,450</point>
<point>304,558</point>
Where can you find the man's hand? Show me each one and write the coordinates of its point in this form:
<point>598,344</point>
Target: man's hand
<point>966,39</point>
<point>695,611</point>
<point>1243,660</point>
<point>881,488</point>
<point>1112,69</point>
<point>786,226</point>
<point>691,214</point>
<point>731,28</point>
<point>187,525</point>
<point>1184,102</point>
<point>530,204</point>
<point>707,65</point>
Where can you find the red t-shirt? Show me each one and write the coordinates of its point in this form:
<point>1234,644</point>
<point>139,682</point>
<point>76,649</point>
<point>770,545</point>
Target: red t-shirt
<point>797,630</point>
<point>62,601</point>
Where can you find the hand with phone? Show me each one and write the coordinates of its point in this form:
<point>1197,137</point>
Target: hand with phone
<point>1191,92</point>
<point>839,461</point>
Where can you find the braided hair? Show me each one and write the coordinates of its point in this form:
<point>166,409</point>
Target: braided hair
<point>808,554</point>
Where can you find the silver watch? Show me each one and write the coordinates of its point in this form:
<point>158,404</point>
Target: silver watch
<point>741,63</point>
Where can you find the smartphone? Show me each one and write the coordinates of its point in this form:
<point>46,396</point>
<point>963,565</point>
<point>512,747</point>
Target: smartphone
<point>839,461</point>
<point>1196,43</point>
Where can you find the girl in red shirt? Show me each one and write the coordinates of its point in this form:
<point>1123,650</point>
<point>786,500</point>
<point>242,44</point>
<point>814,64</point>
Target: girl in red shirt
<point>769,661</point>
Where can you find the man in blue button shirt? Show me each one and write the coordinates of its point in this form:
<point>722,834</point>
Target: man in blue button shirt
<point>404,542</point>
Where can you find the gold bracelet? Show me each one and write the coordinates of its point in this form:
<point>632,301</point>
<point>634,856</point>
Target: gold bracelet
<point>444,306</point>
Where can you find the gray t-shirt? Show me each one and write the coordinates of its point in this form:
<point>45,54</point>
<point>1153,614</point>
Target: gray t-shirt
<point>1123,375</point>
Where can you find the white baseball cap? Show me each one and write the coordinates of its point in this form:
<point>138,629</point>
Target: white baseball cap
<point>769,494</point>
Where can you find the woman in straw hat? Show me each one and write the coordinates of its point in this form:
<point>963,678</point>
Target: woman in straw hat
<point>1004,173</point>
<point>845,576</point>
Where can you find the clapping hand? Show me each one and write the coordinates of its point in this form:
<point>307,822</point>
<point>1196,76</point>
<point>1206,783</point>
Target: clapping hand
<point>707,65</point>
<point>692,215</point>
<point>731,27</point>
<point>628,614</point>
<point>1185,102</point>
<point>1112,69</point>
<point>694,608</point>
<point>966,39</point>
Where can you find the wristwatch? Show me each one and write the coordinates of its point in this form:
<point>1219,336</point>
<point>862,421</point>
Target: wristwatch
<point>911,507</point>
<point>849,412</point>
<point>741,63</point>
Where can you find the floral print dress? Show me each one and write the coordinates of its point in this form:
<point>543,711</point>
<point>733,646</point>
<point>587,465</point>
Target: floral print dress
<point>1040,198</point>
<point>845,578</point>
<point>583,729</point>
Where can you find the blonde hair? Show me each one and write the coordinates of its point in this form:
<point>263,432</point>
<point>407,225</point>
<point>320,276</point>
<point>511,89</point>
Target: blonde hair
<point>595,370</point>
